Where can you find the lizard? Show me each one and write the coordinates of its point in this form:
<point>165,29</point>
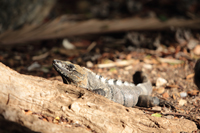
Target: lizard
<point>197,74</point>
<point>125,93</point>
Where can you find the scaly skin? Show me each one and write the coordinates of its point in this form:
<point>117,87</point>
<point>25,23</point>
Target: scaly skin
<point>120,92</point>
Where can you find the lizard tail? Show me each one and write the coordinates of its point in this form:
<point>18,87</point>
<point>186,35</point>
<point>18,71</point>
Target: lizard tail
<point>139,77</point>
<point>142,81</point>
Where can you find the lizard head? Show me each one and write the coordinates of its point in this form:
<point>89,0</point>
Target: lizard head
<point>71,73</point>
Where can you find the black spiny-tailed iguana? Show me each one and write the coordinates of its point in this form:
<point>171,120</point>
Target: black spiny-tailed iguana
<point>120,92</point>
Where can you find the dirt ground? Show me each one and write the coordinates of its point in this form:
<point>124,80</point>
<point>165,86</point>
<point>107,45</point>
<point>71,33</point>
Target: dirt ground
<point>173,64</point>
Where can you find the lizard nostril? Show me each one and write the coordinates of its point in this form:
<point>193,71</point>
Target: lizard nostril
<point>55,61</point>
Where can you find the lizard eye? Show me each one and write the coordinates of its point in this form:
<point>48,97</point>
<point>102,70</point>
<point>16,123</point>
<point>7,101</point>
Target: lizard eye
<point>71,66</point>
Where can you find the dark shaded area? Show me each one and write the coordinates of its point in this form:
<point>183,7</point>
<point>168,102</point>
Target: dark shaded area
<point>197,73</point>
<point>116,8</point>
<point>16,13</point>
<point>7,126</point>
<point>139,77</point>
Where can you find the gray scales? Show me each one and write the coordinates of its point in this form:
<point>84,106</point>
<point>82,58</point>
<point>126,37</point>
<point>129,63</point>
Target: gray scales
<point>127,94</point>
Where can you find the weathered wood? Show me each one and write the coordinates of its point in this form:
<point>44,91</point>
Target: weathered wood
<point>60,28</point>
<point>15,121</point>
<point>54,98</point>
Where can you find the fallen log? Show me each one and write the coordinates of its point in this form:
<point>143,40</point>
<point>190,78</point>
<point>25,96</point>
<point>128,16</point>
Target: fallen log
<point>60,28</point>
<point>93,112</point>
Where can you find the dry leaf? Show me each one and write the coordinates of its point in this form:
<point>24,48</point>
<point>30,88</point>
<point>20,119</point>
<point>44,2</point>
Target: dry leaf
<point>170,61</point>
<point>193,92</point>
<point>44,119</point>
<point>160,90</point>
<point>174,96</point>
<point>165,95</point>
<point>190,76</point>
<point>172,86</point>
<point>129,56</point>
<point>40,57</point>
<point>118,64</point>
<point>150,61</point>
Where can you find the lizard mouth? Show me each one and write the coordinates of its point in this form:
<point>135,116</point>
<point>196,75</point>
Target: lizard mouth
<point>66,80</point>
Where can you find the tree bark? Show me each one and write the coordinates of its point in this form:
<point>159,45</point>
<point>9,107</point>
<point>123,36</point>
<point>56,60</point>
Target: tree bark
<point>93,112</point>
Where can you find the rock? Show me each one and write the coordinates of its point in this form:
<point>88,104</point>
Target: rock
<point>183,94</point>
<point>67,45</point>
<point>89,64</point>
<point>147,66</point>
<point>161,82</point>
<point>182,102</point>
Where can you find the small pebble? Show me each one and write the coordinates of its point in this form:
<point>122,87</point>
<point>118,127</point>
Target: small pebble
<point>68,45</point>
<point>89,64</point>
<point>182,102</point>
<point>157,108</point>
<point>128,67</point>
<point>161,82</point>
<point>183,94</point>
<point>169,117</point>
<point>147,66</point>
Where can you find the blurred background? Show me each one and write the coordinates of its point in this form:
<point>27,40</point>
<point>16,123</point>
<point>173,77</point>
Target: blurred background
<point>33,32</point>
<point>113,38</point>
